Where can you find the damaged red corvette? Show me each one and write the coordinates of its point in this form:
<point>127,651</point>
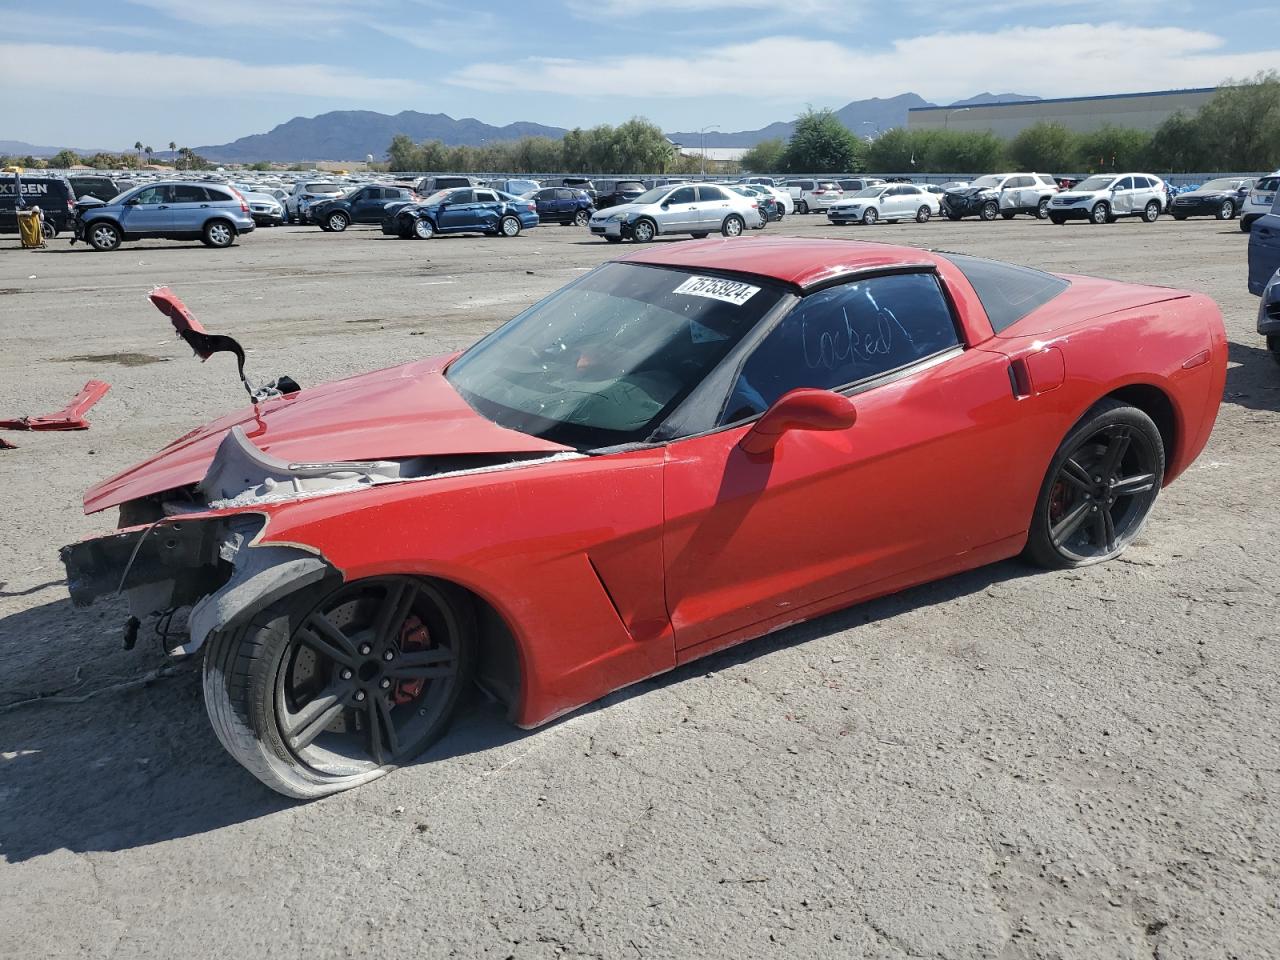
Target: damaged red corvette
<point>683,449</point>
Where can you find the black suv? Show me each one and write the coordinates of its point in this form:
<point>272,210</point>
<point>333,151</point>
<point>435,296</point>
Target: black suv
<point>563,205</point>
<point>364,205</point>
<point>52,194</point>
<point>429,185</point>
<point>610,193</point>
<point>100,188</point>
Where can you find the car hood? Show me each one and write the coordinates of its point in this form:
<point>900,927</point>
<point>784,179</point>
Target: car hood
<point>406,411</point>
<point>1206,194</point>
<point>969,191</point>
<point>623,208</point>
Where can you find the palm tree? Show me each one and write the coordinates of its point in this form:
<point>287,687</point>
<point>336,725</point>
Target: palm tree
<point>148,151</point>
<point>172,147</point>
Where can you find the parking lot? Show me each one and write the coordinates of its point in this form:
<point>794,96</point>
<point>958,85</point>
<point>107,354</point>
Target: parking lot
<point>1007,764</point>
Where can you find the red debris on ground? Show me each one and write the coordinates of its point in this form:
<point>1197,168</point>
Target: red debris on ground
<point>70,417</point>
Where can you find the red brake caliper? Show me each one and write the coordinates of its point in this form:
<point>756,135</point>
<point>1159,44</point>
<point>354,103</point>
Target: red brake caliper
<point>413,636</point>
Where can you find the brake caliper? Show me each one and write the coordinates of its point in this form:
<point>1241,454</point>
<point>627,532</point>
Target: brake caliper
<point>413,636</point>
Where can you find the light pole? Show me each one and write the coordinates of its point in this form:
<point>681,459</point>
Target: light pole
<point>946,120</point>
<point>873,126</point>
<point>703,131</point>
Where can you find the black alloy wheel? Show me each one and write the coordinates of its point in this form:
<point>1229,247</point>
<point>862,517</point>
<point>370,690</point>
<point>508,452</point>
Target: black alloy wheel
<point>327,689</point>
<point>1100,488</point>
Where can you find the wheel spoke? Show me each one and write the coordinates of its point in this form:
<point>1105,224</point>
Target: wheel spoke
<point>423,665</point>
<point>307,724</point>
<point>1077,475</point>
<point>1114,455</point>
<point>382,730</point>
<point>1140,483</point>
<point>321,635</point>
<point>396,605</point>
<point>1069,524</point>
<point>1104,530</point>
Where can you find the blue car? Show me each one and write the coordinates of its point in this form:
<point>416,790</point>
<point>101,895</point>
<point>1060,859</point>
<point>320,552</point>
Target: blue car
<point>463,210</point>
<point>210,213</point>
<point>1264,274</point>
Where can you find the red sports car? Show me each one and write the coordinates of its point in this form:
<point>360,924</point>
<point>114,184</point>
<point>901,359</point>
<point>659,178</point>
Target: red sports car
<point>686,448</point>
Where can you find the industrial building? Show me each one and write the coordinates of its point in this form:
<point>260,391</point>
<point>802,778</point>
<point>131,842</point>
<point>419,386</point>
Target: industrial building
<point>1139,111</point>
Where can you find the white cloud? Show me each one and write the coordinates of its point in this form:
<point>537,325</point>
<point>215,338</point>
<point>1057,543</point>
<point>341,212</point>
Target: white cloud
<point>1067,60</point>
<point>596,9</point>
<point>167,75</point>
<point>303,15</point>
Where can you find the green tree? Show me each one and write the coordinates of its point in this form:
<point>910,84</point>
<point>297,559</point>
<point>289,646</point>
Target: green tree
<point>402,154</point>
<point>1177,146</point>
<point>821,144</point>
<point>1111,149</point>
<point>148,151</point>
<point>640,145</point>
<point>765,157</point>
<point>1240,126</point>
<point>1045,146</point>
<point>64,159</point>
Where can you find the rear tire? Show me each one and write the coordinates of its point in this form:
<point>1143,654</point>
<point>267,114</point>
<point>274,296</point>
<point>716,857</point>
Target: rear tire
<point>923,215</point>
<point>286,708</point>
<point>582,218</point>
<point>1179,216</point>
<point>698,236</point>
<point>1042,209</point>
<point>1151,212</point>
<point>802,206</point>
<point>48,230</point>
<point>509,227</point>
<point>733,226</point>
<point>953,217</point>
<point>1007,214</point>
<point>1099,488</point>
<point>1246,224</point>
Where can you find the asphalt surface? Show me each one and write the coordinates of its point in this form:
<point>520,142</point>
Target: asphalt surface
<point>1008,763</point>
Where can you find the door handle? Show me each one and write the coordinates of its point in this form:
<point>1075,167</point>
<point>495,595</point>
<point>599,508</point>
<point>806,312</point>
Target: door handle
<point>163,206</point>
<point>203,205</point>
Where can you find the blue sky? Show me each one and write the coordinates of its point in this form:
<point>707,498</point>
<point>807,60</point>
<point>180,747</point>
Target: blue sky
<point>103,73</point>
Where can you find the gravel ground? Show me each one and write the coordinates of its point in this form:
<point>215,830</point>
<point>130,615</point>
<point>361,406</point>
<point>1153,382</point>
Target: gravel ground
<point>1007,763</point>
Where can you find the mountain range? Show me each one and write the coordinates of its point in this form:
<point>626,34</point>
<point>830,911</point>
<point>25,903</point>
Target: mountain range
<point>355,134</point>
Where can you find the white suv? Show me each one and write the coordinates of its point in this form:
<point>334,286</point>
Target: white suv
<point>1105,197</point>
<point>1001,195</point>
<point>1257,203</point>
<point>812,195</point>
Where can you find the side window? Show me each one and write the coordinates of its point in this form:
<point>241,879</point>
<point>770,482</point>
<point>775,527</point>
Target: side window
<point>683,195</point>
<point>712,193</point>
<point>844,335</point>
<point>1020,182</point>
<point>461,196</point>
<point>1125,184</point>
<point>153,195</point>
<point>486,196</point>
<point>186,193</point>
<point>563,193</point>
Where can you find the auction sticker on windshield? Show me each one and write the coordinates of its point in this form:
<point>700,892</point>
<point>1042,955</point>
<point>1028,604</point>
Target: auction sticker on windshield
<point>717,288</point>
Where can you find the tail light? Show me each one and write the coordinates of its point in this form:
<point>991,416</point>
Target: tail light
<point>244,206</point>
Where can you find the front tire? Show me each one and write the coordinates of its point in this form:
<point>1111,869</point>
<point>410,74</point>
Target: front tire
<point>870,216</point>
<point>644,231</point>
<point>104,237</point>
<point>1099,489</point>
<point>1057,218</point>
<point>733,226</point>
<point>423,229</point>
<point>338,222</point>
<point>1226,211</point>
<point>990,210</point>
<point>325,690</point>
<point>1101,213</point>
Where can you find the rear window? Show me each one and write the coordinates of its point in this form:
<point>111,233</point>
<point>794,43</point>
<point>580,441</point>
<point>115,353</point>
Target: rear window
<point>630,186</point>
<point>1268,184</point>
<point>1008,293</point>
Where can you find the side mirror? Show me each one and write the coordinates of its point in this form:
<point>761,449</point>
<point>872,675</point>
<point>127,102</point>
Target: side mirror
<point>132,202</point>
<point>666,206</point>
<point>802,409</point>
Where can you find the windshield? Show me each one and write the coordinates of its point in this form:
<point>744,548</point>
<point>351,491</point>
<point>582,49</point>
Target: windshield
<point>629,185</point>
<point>1222,184</point>
<point>325,188</point>
<point>869,192</point>
<point>652,196</point>
<point>1094,183</point>
<point>987,181</point>
<point>604,360</point>
<point>439,196</point>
